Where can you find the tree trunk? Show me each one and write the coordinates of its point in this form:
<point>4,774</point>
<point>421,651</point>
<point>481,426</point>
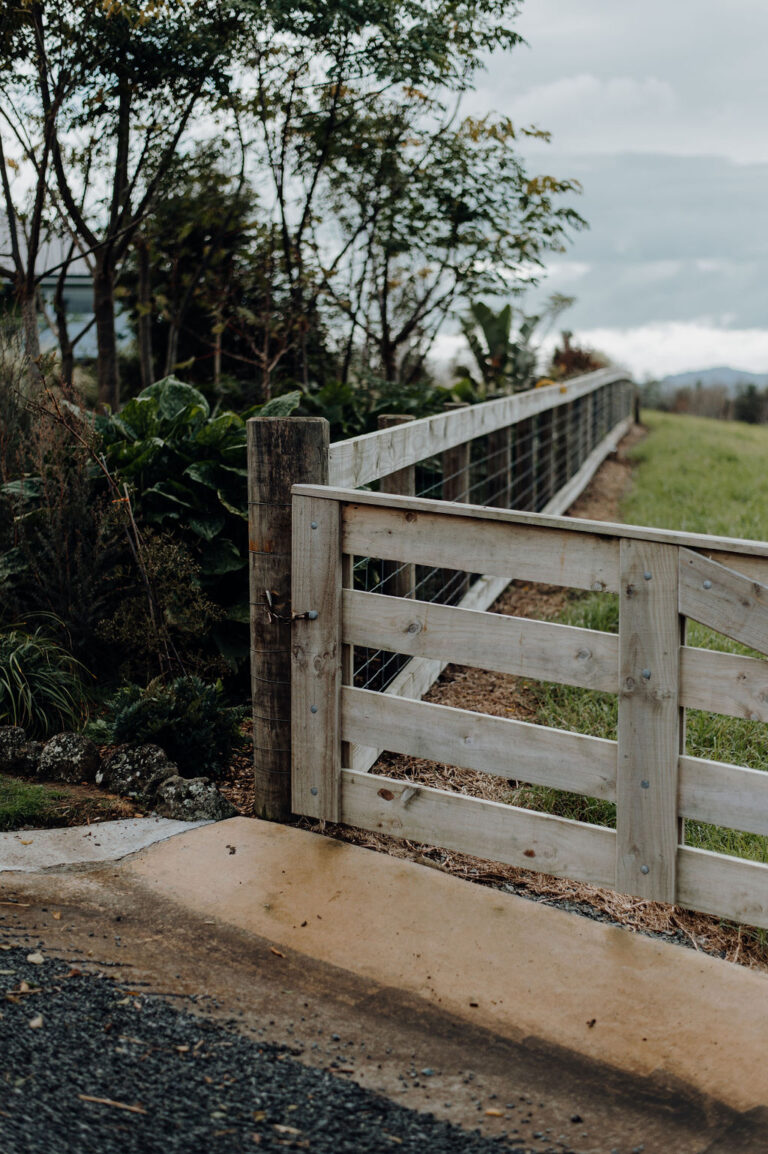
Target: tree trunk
<point>146,363</point>
<point>28,306</point>
<point>172,348</point>
<point>388,360</point>
<point>66,347</point>
<point>106,338</point>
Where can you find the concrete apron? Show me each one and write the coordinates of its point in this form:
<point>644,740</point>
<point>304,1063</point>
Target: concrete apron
<point>30,851</point>
<point>517,968</point>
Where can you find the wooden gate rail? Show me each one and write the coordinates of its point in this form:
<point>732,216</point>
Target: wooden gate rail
<point>662,578</point>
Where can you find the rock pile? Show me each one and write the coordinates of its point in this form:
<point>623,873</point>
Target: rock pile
<point>141,772</point>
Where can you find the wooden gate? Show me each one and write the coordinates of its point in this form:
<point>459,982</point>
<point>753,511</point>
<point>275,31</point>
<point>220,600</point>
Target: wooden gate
<point>662,578</point>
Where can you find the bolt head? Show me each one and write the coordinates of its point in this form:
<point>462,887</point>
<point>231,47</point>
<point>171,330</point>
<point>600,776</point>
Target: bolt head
<point>312,615</point>
<point>647,674</point>
<point>645,785</point>
<point>645,869</point>
<point>313,525</point>
<point>314,790</point>
<point>313,709</point>
<point>647,576</point>
<point>707,584</point>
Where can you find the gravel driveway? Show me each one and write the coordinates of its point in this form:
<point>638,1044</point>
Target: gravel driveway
<point>87,1064</point>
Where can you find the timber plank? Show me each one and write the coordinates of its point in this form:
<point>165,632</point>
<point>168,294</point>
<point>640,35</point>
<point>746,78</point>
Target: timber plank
<point>539,649</point>
<point>724,683</point>
<point>724,599</point>
<point>522,552</point>
<point>727,887</point>
<point>739,550</point>
<point>496,745</point>
<point>487,829</point>
<point>724,795</point>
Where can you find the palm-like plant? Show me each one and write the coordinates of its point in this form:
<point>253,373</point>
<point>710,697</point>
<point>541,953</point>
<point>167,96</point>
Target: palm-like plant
<point>505,359</point>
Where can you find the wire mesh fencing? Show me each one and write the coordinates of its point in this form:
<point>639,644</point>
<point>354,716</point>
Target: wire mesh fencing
<point>524,466</point>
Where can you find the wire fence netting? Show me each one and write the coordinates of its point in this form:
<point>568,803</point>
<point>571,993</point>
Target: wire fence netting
<point>521,467</point>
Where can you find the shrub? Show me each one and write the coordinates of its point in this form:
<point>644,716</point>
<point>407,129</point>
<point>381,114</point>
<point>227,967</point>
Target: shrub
<point>40,685</point>
<point>188,718</point>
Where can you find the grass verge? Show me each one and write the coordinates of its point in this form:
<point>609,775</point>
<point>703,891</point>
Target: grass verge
<point>23,804</point>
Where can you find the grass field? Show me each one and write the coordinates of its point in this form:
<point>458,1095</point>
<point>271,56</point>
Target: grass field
<point>705,477</point>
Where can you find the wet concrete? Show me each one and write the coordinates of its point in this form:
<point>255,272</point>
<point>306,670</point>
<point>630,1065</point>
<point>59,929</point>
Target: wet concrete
<point>192,919</point>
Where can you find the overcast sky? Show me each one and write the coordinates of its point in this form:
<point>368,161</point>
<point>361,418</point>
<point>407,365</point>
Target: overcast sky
<point>659,109</point>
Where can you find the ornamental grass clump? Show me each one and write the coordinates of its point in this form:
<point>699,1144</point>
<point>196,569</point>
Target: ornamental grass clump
<point>41,686</point>
<point>188,718</point>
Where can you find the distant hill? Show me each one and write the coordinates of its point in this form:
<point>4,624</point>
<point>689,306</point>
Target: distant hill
<point>731,379</point>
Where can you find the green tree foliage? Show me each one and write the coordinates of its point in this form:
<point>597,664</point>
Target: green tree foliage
<point>750,405</point>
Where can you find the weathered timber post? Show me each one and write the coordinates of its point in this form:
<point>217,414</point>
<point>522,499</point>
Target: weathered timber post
<point>649,730</point>
<point>500,468</point>
<point>282,451</point>
<point>456,480</point>
<point>398,579</point>
<point>523,462</point>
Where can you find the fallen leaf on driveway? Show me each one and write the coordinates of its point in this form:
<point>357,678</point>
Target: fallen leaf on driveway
<point>36,1023</point>
<point>277,953</point>
<point>57,916</point>
<point>36,959</point>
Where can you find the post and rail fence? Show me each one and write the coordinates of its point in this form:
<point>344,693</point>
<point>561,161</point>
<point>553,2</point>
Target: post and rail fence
<point>662,579</point>
<point>535,450</point>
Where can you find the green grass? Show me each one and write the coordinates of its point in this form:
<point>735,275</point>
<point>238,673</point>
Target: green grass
<point>23,804</point>
<point>701,476</point>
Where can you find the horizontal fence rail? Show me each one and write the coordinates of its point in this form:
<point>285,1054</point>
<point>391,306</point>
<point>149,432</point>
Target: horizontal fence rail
<point>662,578</point>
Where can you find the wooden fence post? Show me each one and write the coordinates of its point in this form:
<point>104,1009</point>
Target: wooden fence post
<point>456,481</point>
<point>282,451</point>
<point>316,658</point>
<point>398,579</point>
<point>649,721</point>
<point>500,466</point>
<point>522,464</point>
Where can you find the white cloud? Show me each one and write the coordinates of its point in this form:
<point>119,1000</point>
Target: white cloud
<point>650,350</point>
<point>655,350</point>
<point>585,113</point>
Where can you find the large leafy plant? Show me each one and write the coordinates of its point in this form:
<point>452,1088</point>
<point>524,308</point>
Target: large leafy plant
<point>186,471</point>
